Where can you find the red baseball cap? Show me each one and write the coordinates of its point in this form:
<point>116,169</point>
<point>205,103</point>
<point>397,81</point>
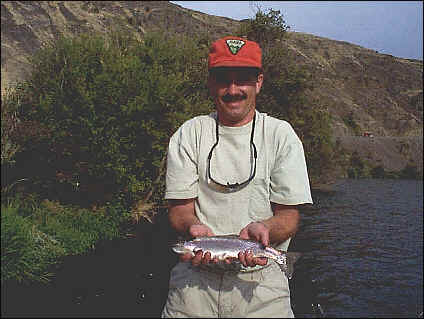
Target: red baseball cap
<point>234,52</point>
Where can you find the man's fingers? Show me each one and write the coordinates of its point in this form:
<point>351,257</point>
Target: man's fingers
<point>264,238</point>
<point>246,258</point>
<point>200,230</point>
<point>244,234</point>
<point>242,258</point>
<point>249,259</point>
<point>197,259</point>
<point>206,258</point>
<point>262,261</point>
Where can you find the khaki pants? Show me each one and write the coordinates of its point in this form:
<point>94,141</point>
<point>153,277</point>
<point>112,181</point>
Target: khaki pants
<point>195,292</point>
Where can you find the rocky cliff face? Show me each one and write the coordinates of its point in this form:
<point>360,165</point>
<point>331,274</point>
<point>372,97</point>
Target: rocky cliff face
<point>361,88</point>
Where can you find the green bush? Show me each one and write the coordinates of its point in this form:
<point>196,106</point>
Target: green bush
<point>108,107</point>
<point>266,28</point>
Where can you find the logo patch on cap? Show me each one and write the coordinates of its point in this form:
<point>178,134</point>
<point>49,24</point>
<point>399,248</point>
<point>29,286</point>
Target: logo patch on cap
<point>235,45</point>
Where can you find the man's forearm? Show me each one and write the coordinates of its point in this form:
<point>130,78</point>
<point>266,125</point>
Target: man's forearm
<point>182,215</point>
<point>283,224</point>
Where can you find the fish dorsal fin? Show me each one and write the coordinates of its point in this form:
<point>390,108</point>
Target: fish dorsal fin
<point>229,236</point>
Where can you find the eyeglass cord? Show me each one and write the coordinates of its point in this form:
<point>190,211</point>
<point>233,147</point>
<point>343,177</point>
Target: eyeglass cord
<point>251,143</point>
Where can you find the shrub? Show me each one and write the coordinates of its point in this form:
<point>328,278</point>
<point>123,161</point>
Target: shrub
<point>108,106</point>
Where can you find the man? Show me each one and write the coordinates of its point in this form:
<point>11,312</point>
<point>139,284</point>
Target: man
<point>234,171</point>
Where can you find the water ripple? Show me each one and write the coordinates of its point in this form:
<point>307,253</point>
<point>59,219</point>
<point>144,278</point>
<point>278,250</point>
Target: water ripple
<point>364,245</point>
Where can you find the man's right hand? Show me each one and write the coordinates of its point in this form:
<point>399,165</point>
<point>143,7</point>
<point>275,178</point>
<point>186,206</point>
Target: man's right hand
<point>200,230</point>
<point>197,230</point>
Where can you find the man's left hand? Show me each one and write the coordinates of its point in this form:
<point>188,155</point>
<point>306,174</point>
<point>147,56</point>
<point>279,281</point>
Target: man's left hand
<point>254,231</point>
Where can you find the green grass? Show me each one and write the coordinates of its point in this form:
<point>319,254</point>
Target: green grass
<point>35,236</point>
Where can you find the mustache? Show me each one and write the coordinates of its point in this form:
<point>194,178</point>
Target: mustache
<point>233,98</point>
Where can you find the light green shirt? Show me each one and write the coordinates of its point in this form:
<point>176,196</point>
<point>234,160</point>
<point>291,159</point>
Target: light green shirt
<point>281,173</point>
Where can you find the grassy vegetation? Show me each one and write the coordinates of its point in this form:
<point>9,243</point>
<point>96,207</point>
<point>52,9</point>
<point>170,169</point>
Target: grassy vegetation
<point>36,235</point>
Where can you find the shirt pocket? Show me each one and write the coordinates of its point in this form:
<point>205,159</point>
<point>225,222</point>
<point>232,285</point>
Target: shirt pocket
<point>259,204</point>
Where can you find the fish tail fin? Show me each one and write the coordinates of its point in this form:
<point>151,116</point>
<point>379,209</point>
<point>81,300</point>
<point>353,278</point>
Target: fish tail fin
<point>287,261</point>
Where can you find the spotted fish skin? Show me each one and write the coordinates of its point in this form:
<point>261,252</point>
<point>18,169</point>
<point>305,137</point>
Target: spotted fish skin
<point>229,246</point>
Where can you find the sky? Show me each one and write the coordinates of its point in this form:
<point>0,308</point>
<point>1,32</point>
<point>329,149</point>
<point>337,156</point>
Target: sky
<point>389,27</point>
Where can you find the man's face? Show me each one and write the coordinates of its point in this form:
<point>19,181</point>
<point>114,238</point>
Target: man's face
<point>234,91</point>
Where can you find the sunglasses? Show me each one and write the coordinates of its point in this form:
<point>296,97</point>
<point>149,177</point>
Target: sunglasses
<point>240,78</point>
<point>235,186</point>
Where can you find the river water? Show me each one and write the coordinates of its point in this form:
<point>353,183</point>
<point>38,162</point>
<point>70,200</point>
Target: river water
<point>362,246</point>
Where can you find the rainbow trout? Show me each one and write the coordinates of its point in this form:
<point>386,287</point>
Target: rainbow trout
<point>229,246</point>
